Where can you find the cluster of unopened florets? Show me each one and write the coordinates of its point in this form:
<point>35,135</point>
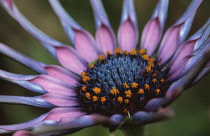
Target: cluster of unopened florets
<point>121,83</point>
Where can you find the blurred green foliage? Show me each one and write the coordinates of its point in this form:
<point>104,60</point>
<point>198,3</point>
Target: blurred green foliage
<point>192,108</point>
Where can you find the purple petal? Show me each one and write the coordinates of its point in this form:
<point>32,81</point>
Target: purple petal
<point>53,85</point>
<point>193,43</point>
<point>14,12</point>
<point>156,103</point>
<point>54,71</point>
<point>81,39</point>
<point>202,74</point>
<point>50,44</point>
<point>25,125</point>
<point>22,80</point>
<point>128,31</point>
<point>153,30</point>
<point>60,100</point>
<point>61,74</point>
<point>85,45</point>
<point>69,58</point>
<point>183,83</point>
<point>34,65</point>
<point>106,39</point>
<point>57,114</point>
<point>74,125</point>
<point>175,71</point>
<point>142,117</point>
<point>23,133</point>
<point>104,34</point>
<point>176,34</point>
<point>191,60</point>
<point>32,101</point>
<point>202,34</point>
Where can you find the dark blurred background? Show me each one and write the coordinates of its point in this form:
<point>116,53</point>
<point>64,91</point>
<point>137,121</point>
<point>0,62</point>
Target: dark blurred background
<point>192,109</point>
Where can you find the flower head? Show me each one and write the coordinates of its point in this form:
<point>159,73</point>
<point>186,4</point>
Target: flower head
<point>102,81</point>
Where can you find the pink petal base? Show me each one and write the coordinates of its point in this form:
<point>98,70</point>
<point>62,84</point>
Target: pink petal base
<point>127,35</point>
<point>53,85</point>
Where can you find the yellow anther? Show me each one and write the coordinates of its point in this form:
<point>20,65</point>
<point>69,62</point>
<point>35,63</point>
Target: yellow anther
<point>154,80</point>
<point>101,57</point>
<point>114,91</point>
<point>91,65</point>
<point>126,101</point>
<point>157,91</point>
<point>87,95</point>
<point>95,98</point>
<point>85,78</point>
<point>154,75</point>
<point>97,90</point>
<point>83,74</point>
<point>126,85</point>
<point>134,85</point>
<point>146,86</point>
<point>103,99</point>
<point>128,93</point>
<point>108,52</point>
<point>118,50</point>
<point>142,51</point>
<point>151,64</point>
<point>159,64</point>
<point>125,110</point>
<point>145,57</point>
<point>133,52</point>
<point>84,88</point>
<point>148,68</point>
<point>141,91</point>
<point>120,99</point>
<point>125,52</point>
<point>162,80</point>
<point>151,59</point>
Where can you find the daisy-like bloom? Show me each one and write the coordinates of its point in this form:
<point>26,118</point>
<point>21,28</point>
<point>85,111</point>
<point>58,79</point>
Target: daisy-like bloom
<point>101,81</point>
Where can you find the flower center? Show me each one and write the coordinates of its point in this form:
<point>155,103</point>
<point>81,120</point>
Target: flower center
<point>121,83</point>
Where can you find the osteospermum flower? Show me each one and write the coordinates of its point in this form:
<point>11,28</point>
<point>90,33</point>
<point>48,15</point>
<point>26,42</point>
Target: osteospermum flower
<point>101,81</point>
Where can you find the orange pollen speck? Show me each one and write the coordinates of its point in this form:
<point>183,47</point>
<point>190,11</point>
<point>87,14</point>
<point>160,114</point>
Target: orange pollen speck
<point>125,52</point>
<point>126,101</point>
<point>126,85</point>
<point>133,52</point>
<point>84,88</point>
<point>151,59</point>
<point>142,51</point>
<point>154,75</point>
<point>154,80</point>
<point>101,57</point>
<point>128,93</point>
<point>151,64</point>
<point>108,52</point>
<point>146,86</point>
<point>162,80</point>
<point>118,50</point>
<point>83,74</point>
<point>119,99</point>
<point>141,91</point>
<point>134,85</point>
<point>85,78</point>
<point>103,99</point>
<point>95,98</point>
<point>157,91</point>
<point>114,91</point>
<point>87,95</point>
<point>91,65</point>
<point>97,90</point>
<point>148,69</point>
<point>145,57</point>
